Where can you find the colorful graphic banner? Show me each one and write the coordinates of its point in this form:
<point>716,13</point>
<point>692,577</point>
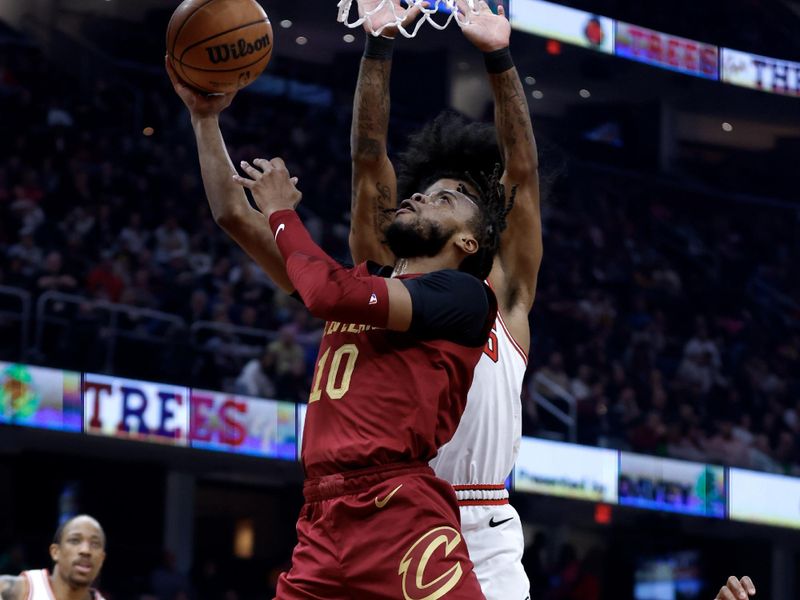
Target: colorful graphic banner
<point>567,470</point>
<point>667,51</point>
<point>243,425</point>
<point>671,485</point>
<point>565,24</point>
<point>39,397</point>
<point>136,410</point>
<point>764,498</point>
<point>760,72</point>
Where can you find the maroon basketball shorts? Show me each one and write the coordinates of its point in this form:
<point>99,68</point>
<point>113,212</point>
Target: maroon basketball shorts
<point>384,533</point>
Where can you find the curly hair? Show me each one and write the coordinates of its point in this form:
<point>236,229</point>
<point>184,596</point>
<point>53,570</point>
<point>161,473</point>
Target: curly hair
<point>451,148</point>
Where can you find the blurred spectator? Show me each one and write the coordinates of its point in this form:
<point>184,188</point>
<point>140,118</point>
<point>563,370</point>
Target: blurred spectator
<point>286,359</point>
<point>254,380</point>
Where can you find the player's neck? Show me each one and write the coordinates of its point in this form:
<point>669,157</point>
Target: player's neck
<point>421,265</point>
<point>64,591</point>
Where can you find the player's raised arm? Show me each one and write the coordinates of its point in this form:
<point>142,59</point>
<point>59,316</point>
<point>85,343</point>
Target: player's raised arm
<point>374,181</point>
<point>229,206</point>
<point>521,246</point>
<point>13,588</point>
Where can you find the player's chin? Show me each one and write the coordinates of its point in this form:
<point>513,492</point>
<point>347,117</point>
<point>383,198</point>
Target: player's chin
<point>82,577</point>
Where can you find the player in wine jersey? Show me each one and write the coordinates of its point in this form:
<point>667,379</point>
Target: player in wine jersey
<point>78,552</point>
<point>480,456</point>
<point>395,363</point>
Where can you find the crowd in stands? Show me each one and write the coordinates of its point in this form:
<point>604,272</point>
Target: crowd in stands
<point>669,316</point>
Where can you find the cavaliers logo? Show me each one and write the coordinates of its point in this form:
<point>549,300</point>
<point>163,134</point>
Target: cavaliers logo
<point>418,583</point>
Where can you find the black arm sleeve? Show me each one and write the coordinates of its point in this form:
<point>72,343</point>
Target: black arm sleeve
<point>453,306</point>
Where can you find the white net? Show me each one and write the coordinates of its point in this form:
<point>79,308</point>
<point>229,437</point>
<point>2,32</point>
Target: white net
<point>380,14</point>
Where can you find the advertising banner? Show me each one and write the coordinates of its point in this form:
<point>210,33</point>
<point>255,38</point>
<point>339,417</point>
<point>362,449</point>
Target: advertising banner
<point>38,397</point>
<point>667,51</point>
<point>760,72</point>
<point>137,410</point>
<point>671,485</point>
<point>565,24</point>
<point>567,470</point>
<point>243,425</point>
<point>764,498</point>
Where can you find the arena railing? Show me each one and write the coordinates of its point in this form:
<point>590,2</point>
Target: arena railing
<point>113,322</point>
<point>9,298</point>
<point>569,417</point>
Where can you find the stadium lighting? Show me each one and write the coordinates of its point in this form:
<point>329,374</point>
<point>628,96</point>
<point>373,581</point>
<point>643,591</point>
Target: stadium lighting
<point>530,80</point>
<point>301,40</point>
<point>349,38</point>
<point>584,93</point>
<point>537,94</point>
<point>286,23</point>
<point>727,127</point>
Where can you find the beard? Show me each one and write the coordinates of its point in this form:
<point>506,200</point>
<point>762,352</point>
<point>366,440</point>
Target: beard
<point>416,239</point>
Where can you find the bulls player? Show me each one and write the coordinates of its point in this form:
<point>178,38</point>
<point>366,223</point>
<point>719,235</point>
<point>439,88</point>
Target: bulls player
<point>480,456</point>
<point>395,364</point>
<point>78,552</point>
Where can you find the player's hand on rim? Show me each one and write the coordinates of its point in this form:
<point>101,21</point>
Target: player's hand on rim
<point>200,105</point>
<point>487,31</point>
<point>737,589</point>
<point>380,21</point>
<point>272,187</point>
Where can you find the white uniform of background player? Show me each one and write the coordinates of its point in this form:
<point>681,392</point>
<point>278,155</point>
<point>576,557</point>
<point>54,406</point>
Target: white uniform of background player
<point>39,587</point>
<point>480,456</point>
<point>478,460</point>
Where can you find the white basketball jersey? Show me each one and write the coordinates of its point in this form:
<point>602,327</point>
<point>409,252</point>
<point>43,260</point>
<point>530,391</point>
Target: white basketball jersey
<point>486,442</point>
<point>40,588</point>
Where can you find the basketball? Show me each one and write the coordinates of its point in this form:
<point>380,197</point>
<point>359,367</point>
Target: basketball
<point>219,46</point>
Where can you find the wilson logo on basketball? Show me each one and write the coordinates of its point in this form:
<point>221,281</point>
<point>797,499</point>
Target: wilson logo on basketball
<point>225,52</point>
<point>419,564</point>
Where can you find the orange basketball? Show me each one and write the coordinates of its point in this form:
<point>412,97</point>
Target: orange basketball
<point>219,46</point>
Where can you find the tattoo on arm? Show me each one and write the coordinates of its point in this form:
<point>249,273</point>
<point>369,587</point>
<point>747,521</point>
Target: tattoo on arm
<point>11,588</point>
<point>383,208</point>
<point>513,121</point>
<point>371,110</point>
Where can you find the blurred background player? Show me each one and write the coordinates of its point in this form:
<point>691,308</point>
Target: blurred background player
<point>392,375</point>
<point>480,456</point>
<point>78,553</point>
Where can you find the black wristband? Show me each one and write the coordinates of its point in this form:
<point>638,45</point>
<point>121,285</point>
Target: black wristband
<point>379,48</point>
<point>498,61</point>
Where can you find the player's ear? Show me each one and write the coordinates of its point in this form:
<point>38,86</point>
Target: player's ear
<point>55,551</point>
<point>467,243</point>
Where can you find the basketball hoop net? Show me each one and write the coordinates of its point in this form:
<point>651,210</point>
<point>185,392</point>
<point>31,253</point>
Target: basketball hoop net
<point>387,14</point>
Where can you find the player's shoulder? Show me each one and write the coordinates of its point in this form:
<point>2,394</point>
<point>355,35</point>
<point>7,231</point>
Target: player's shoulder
<point>13,587</point>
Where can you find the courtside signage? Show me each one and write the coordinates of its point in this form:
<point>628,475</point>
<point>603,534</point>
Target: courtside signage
<point>671,485</point>
<point>242,425</point>
<point>565,24</point>
<point>567,470</point>
<point>760,72</point>
<point>764,498</point>
<point>136,410</point>
<point>39,397</point>
<point>667,51</point>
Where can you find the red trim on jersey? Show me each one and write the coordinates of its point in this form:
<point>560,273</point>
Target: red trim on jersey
<point>29,579</point>
<point>483,502</point>
<point>479,486</point>
<point>514,342</point>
